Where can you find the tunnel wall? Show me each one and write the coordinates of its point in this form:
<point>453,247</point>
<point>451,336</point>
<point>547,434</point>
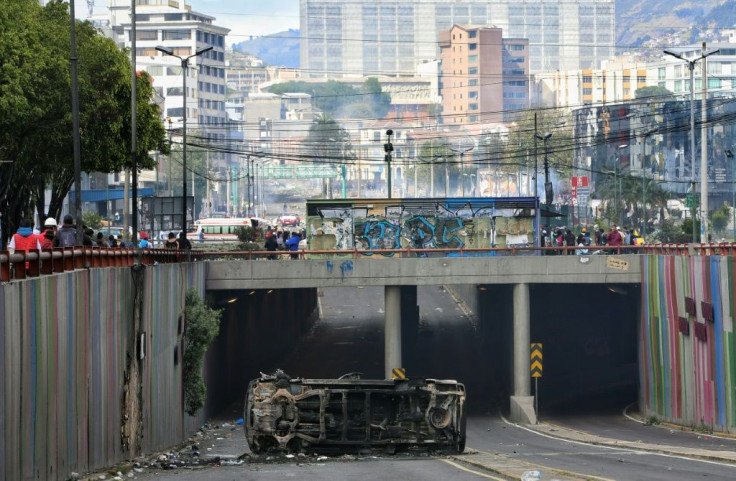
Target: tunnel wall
<point>64,345</point>
<point>255,331</point>
<point>686,342</point>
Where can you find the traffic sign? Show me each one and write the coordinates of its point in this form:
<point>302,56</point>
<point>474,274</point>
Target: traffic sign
<point>691,201</point>
<point>536,358</point>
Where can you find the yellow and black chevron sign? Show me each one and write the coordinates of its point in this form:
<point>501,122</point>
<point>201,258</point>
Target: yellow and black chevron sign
<point>536,358</point>
<point>398,373</point>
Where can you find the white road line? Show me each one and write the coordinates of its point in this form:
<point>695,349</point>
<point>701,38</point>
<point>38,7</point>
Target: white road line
<point>631,450</point>
<point>477,473</point>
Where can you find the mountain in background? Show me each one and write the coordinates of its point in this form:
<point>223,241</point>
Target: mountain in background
<point>638,21</point>
<point>277,49</point>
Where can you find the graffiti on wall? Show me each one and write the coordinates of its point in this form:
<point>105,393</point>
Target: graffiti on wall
<point>416,225</point>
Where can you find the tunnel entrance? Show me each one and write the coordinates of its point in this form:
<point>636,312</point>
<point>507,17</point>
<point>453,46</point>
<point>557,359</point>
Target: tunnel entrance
<point>589,336</point>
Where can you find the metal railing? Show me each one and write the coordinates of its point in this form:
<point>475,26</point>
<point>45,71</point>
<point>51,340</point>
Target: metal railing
<point>22,265</point>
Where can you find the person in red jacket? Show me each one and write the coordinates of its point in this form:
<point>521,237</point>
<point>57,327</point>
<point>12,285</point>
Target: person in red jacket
<point>47,236</point>
<point>24,240</point>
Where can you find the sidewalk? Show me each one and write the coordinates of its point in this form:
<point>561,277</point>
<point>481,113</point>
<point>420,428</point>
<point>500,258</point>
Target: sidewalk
<point>560,432</point>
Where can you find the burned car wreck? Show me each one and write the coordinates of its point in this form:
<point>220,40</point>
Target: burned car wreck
<point>352,413</point>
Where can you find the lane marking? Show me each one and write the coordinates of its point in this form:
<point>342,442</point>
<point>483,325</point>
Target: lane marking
<point>614,448</point>
<point>477,473</point>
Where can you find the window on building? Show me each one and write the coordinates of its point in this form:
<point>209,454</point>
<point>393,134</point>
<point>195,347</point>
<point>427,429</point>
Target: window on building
<point>182,51</point>
<point>175,71</point>
<point>377,136</point>
<point>171,17</point>
<point>473,46</point>
<point>473,94</point>
<point>714,83</point>
<point>473,106</point>
<point>146,52</point>
<point>472,34</point>
<point>176,34</point>
<point>587,79</point>
<point>175,112</point>
<point>473,118</point>
<point>472,58</point>
<point>473,82</point>
<point>661,73</point>
<point>471,71</point>
<point>174,91</point>
<point>642,79</point>
<point>587,91</point>
<point>146,34</point>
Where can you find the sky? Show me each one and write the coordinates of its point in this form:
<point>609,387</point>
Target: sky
<point>243,17</point>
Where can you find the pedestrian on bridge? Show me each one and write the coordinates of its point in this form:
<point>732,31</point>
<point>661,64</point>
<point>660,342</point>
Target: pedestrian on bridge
<point>293,244</point>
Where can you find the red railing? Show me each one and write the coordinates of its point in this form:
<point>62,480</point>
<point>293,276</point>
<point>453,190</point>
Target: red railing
<point>63,259</point>
<point>52,261</point>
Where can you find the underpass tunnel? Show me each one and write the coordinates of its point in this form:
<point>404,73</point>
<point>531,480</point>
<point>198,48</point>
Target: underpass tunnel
<point>257,327</point>
<point>589,336</point>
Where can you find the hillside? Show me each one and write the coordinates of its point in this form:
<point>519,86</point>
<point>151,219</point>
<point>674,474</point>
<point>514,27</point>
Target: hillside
<point>640,20</point>
<point>279,49</point>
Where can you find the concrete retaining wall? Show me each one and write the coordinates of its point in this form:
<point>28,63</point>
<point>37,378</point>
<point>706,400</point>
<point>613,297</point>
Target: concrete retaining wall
<point>64,347</point>
<point>688,356</point>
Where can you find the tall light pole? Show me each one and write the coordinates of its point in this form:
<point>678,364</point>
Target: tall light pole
<point>548,192</point>
<point>646,134</point>
<point>76,142</point>
<point>730,156</point>
<point>184,69</point>
<point>388,148</point>
<point>703,168</point>
<point>464,145</point>
<point>619,209</point>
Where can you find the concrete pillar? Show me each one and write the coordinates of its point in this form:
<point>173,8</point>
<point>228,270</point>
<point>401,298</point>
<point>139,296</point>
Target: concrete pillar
<point>522,403</point>
<point>392,329</point>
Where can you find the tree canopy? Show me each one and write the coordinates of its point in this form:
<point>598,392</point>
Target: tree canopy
<point>341,100</point>
<point>36,109</point>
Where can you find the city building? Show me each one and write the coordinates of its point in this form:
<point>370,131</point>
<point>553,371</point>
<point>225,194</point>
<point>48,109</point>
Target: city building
<point>674,74</point>
<point>392,37</point>
<point>617,81</point>
<point>484,77</point>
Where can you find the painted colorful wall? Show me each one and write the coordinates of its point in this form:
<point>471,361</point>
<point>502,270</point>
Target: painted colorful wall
<point>369,224</point>
<point>63,351</point>
<point>687,347</point>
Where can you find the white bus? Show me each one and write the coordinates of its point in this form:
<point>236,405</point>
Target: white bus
<point>222,229</point>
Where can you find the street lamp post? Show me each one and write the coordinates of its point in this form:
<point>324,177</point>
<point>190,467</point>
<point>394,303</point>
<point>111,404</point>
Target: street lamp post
<point>619,209</point>
<point>643,182</point>
<point>548,192</point>
<point>388,148</point>
<point>730,156</point>
<point>464,145</point>
<point>184,68</point>
<point>703,168</point>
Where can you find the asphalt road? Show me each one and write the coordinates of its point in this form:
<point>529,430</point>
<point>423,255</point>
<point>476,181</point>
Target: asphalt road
<point>349,338</point>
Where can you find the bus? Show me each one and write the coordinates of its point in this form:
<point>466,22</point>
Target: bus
<point>223,229</point>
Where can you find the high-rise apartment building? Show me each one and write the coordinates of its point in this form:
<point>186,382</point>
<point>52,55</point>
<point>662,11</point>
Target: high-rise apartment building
<point>484,77</point>
<point>391,37</point>
<point>174,25</point>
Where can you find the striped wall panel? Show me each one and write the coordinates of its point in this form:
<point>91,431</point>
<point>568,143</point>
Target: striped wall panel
<point>63,348</point>
<point>688,376</point>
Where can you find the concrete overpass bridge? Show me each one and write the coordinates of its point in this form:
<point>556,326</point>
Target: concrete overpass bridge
<point>398,274</point>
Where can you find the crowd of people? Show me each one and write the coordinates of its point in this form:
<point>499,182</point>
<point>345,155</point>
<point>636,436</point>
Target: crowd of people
<point>281,240</point>
<point>564,237</point>
<point>51,235</point>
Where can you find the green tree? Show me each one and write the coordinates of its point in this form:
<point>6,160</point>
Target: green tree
<point>379,101</point>
<point>93,220</point>
<point>202,326</point>
<point>720,218</point>
<point>329,144</point>
<point>652,93</point>
<point>35,108</point>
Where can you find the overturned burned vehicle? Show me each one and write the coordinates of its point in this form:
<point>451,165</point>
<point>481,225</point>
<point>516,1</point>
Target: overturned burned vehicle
<point>352,413</point>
